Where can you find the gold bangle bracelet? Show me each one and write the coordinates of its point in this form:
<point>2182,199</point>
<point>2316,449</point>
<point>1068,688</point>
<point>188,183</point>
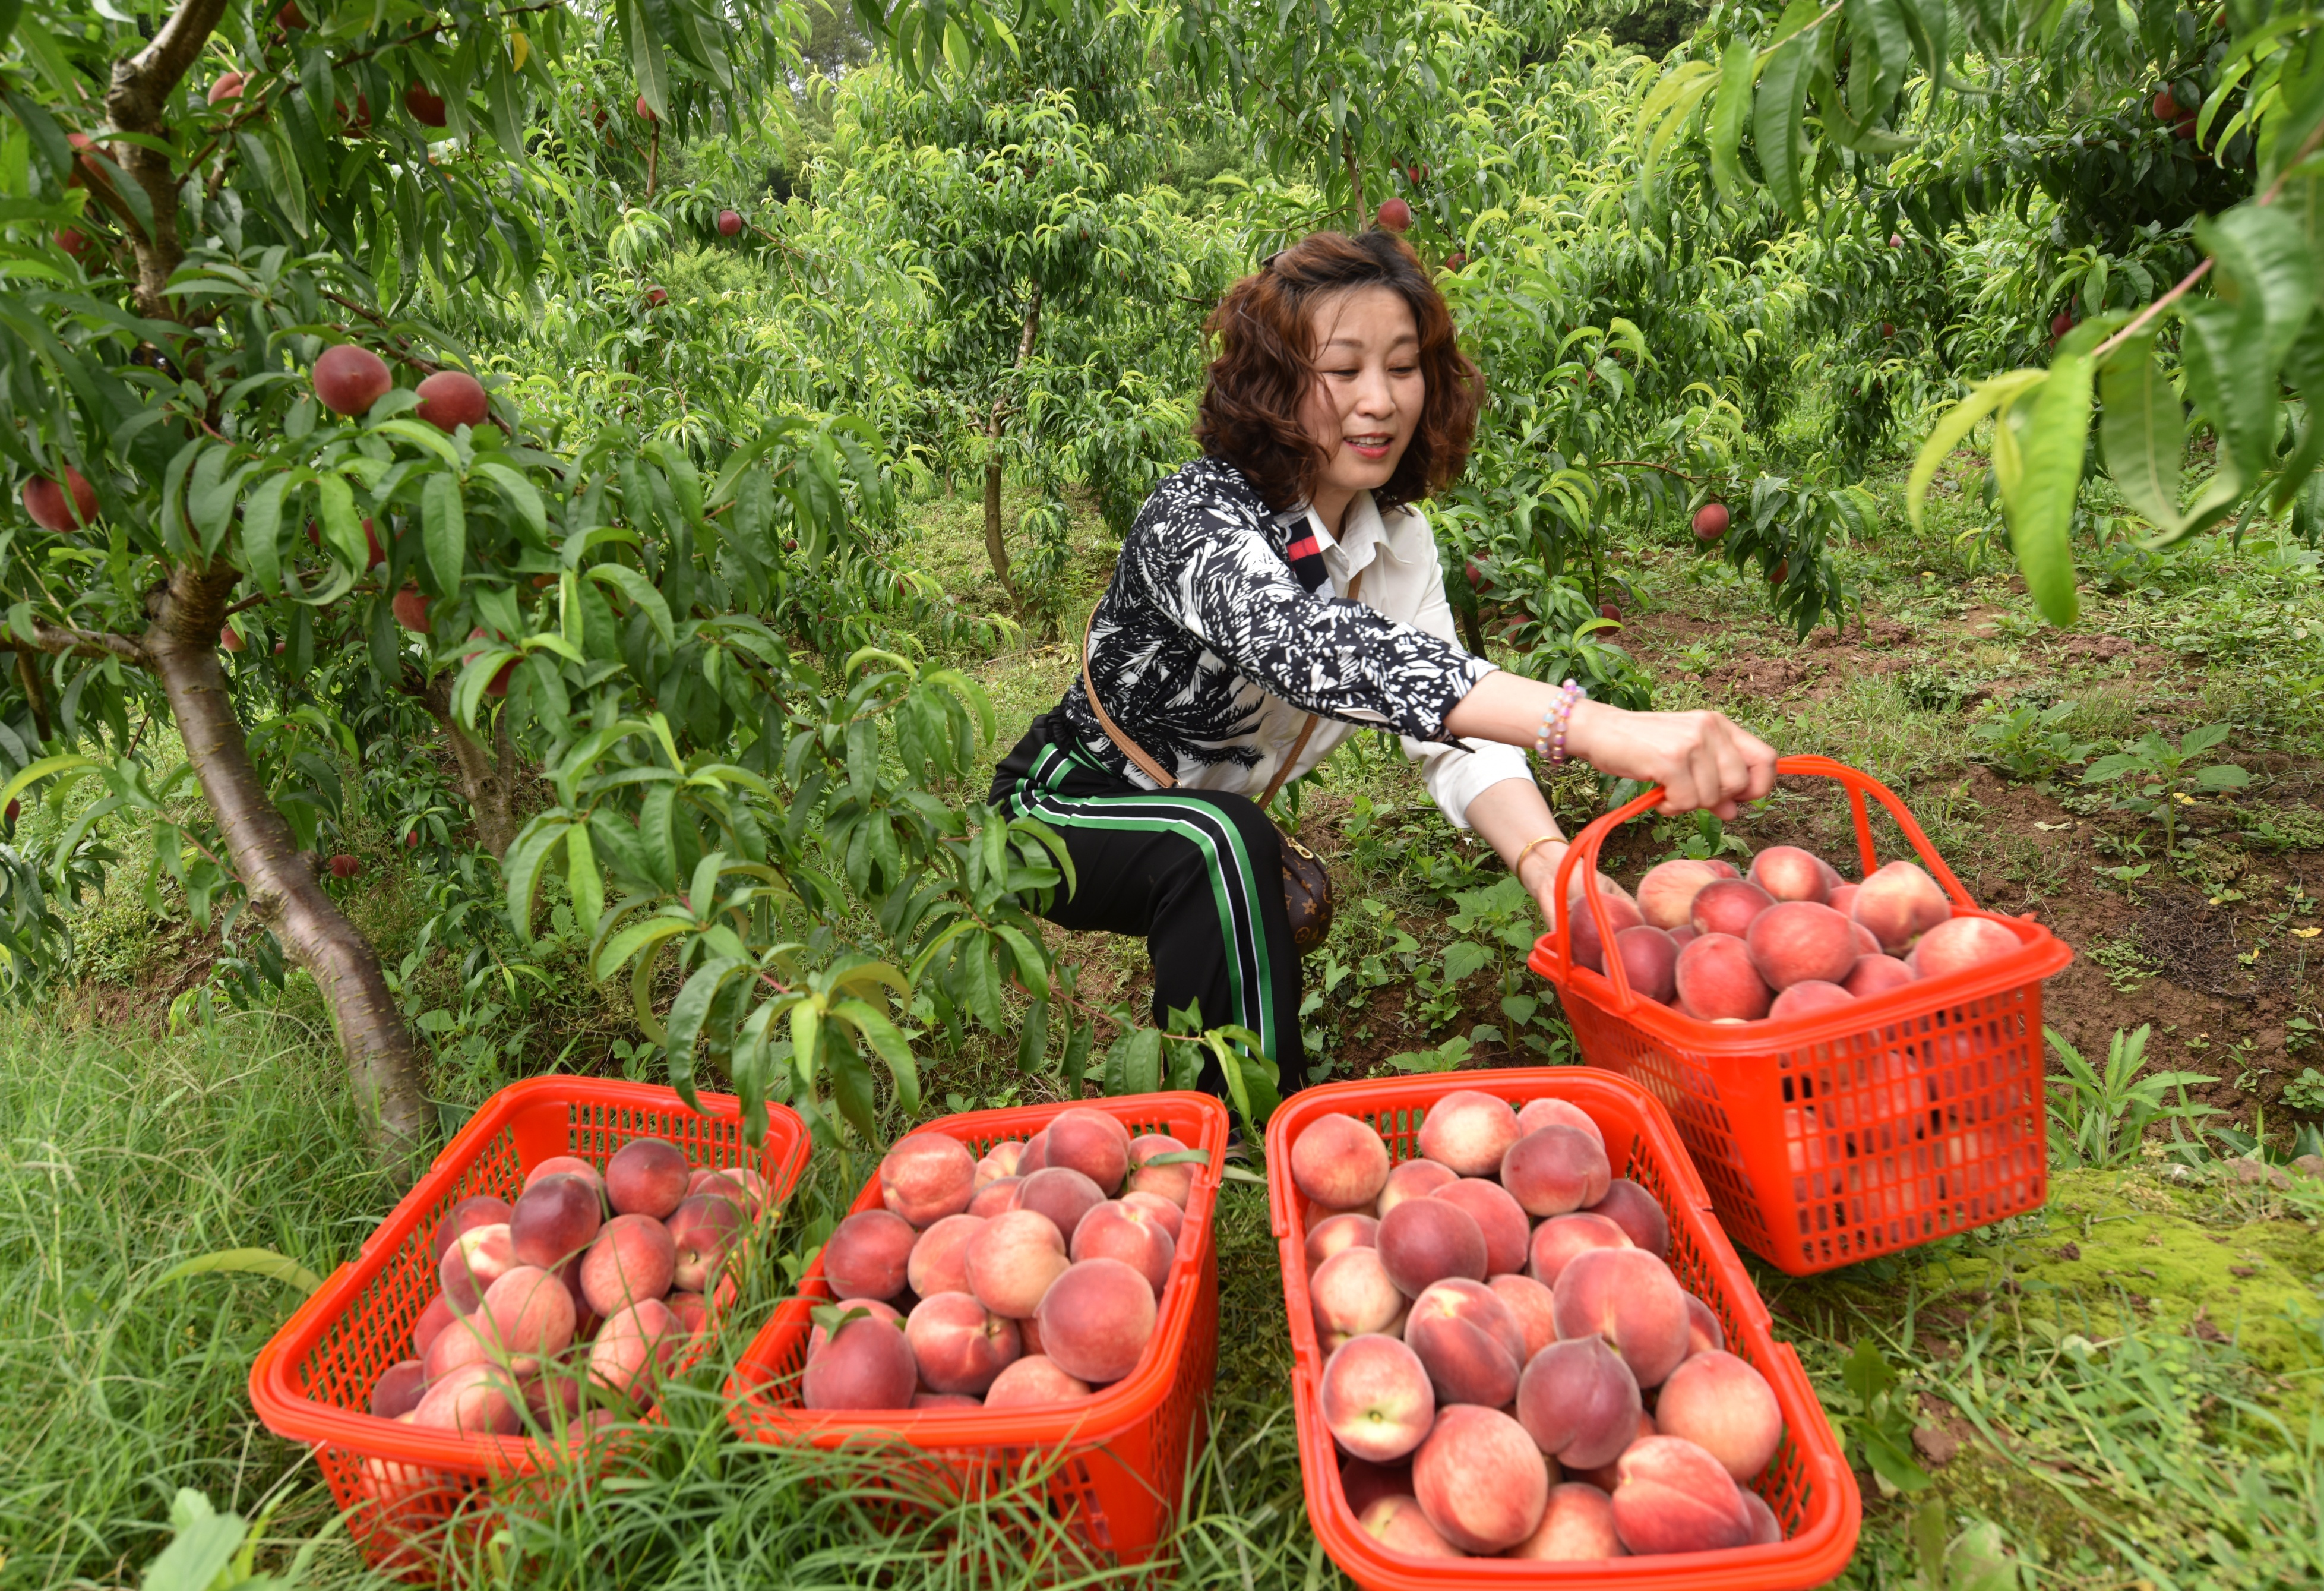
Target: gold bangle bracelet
<point>1546,839</point>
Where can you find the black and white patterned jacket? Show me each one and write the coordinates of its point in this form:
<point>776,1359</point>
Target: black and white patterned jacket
<point>1209,654</point>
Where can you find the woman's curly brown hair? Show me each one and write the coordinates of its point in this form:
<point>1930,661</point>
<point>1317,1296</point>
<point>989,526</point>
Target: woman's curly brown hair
<point>1266,365</point>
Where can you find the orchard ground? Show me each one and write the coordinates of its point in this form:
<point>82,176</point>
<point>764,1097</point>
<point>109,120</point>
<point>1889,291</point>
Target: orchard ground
<point>2124,1385</point>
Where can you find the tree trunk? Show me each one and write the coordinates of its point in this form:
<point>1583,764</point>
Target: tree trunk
<point>489,777</point>
<point>996,547</point>
<point>382,1068</point>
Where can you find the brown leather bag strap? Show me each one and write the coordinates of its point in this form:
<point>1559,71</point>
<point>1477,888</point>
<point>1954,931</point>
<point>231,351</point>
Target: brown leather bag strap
<point>1291,759</point>
<point>1153,769</point>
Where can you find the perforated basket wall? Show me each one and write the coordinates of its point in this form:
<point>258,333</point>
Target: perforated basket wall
<point>408,1489</point>
<point>1111,1473</point>
<point>1808,1483</point>
<point>1878,1126</point>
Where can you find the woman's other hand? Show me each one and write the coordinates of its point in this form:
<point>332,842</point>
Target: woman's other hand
<point>1702,760</point>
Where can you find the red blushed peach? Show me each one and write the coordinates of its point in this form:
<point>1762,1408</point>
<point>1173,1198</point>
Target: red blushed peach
<point>555,1218</point>
<point>1465,1336</point>
<point>1589,948</point>
<point>710,1179</point>
<point>1538,1114</point>
<point>945,1401</point>
<point>1425,1240</point>
<point>1877,975</point>
<point>939,1259</point>
<point>1149,1172</point>
<point>529,1315</point>
<point>477,1258</point>
<point>958,1344</point>
<point>1842,899</point>
<point>1725,1408</point>
<point>1479,1479</point>
<point>1630,1299</point>
<point>1062,1194</point>
<point>1120,1231</point>
<point>1469,1132</point>
<point>433,1320</point>
<point>1340,1164</point>
<point>1632,1208</point>
<point>878,1308</point>
<point>926,1176</point>
<point>1579,1402</point>
<point>1029,1331</point>
<point>553,1399</point>
<point>1096,1319</point>
<point>1959,945</point>
<point>474,1400</point>
<point>1172,1217</point>
<point>487,1209</point>
<point>1577,1526</point>
<point>994,1198</point>
<point>1036,1155</point>
<point>1499,1217</point>
<point>999,1161</point>
<point>1811,998</point>
<point>1035,1382</point>
<point>1607,1476</point>
<point>1684,935</point>
<point>1866,945</point>
<point>647,1177</point>
<point>1766,1530</point>
<point>1013,1259</point>
<point>1529,1304</point>
<point>1556,1240</point>
<point>466,1341</point>
<point>1718,980</point>
<point>398,1389</point>
<point>1704,1334</point>
<point>1376,1398</point>
<point>1650,961</point>
<point>566,1165</point>
<point>633,1259</point>
<point>1800,941</point>
<point>869,1255</point>
<point>1671,1496</point>
<point>1556,1169</point>
<point>1363,1482</point>
<point>1727,906</point>
<point>867,1364</point>
<point>1790,874</point>
<point>1334,1233</point>
<point>1399,1526</point>
<point>1899,904</point>
<point>692,1311</point>
<point>705,1227</point>
<point>1095,1144</point>
<point>1353,1294</point>
<point>1413,1179</point>
<point>1666,894</point>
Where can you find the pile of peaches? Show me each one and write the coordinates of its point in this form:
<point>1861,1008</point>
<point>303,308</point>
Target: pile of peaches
<point>1029,1278</point>
<point>570,1302</point>
<point>1513,1368</point>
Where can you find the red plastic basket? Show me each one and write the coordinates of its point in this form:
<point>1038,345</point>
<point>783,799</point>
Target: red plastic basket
<point>402,1486</point>
<point>1808,1483</point>
<point>1830,1139</point>
<point>1111,1473</point>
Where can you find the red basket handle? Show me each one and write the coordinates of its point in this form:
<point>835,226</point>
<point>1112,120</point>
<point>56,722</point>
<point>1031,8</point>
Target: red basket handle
<point>1591,840</point>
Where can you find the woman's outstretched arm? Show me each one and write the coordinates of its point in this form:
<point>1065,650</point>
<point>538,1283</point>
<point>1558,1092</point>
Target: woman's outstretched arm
<point>1700,759</point>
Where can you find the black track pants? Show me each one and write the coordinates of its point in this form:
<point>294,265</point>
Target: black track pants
<point>1197,874</point>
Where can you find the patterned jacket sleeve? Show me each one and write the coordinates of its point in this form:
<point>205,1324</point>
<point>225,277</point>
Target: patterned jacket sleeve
<point>1230,588</point>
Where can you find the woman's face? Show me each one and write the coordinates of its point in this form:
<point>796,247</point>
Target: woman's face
<point>1369,390</point>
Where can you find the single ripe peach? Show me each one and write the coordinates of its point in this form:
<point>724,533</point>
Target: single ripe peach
<point>938,1262</point>
<point>926,1176</point>
<point>1095,1144</point>
<point>647,1177</point>
<point>1630,1299</point>
<point>1650,962</point>
<point>1899,904</point>
<point>529,1317</point>
<point>450,399</point>
<point>1811,998</point>
<point>1766,1530</point>
<point>1352,1294</point>
<point>1119,1231</point>
<point>1684,935</point>
<point>433,1320</point>
<point>477,1258</point>
<point>1172,1180</point>
<point>1842,899</point>
<point>1877,975</point>
<point>879,1308</point>
<point>1589,948</point>
<point>1013,1259</point>
<point>1959,945</point>
<point>692,1311</point>
<point>633,1261</point>
<point>1579,1402</point>
<point>1035,1382</point>
<point>1577,1526</point>
<point>1425,1240</point>
<point>1063,1194</point>
<point>1801,941</point>
<point>1172,1217</point>
<point>1632,1208</point>
<point>1363,1482</point>
<point>1096,1319</point>
<point>1000,1162</point>
<point>1467,1130</point>
<point>398,1389</point>
<point>1607,1476</point>
<point>1728,906</point>
<point>1666,894</point>
<point>1718,980</point>
<point>1704,1334</point>
<point>463,1342</point>
<point>486,1209</point>
<point>1532,1307</point>
<point>867,1363</point>
<point>1499,1217</point>
<point>555,1218</point>
<point>1401,1527</point>
<point>1790,874</point>
<point>1671,1496</point>
<point>1556,1169</point>
<point>1556,1240</point>
<point>1557,1112</point>
<point>567,1165</point>
<point>1472,1345</point>
<point>1413,1179</point>
<point>705,1229</point>
<point>472,1400</point>
<point>1340,1163</point>
<point>1725,1407</point>
<point>1479,1479</point>
<point>1866,945</point>
<point>349,379</point>
<point>959,1345</point>
<point>868,1254</point>
<point>946,1401</point>
<point>1035,1154</point>
<point>995,1197</point>
<point>1375,1398</point>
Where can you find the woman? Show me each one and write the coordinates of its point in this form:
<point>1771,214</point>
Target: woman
<point>1286,573</point>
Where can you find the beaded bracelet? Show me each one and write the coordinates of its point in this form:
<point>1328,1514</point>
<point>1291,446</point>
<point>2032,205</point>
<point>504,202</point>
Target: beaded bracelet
<point>1549,741</point>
